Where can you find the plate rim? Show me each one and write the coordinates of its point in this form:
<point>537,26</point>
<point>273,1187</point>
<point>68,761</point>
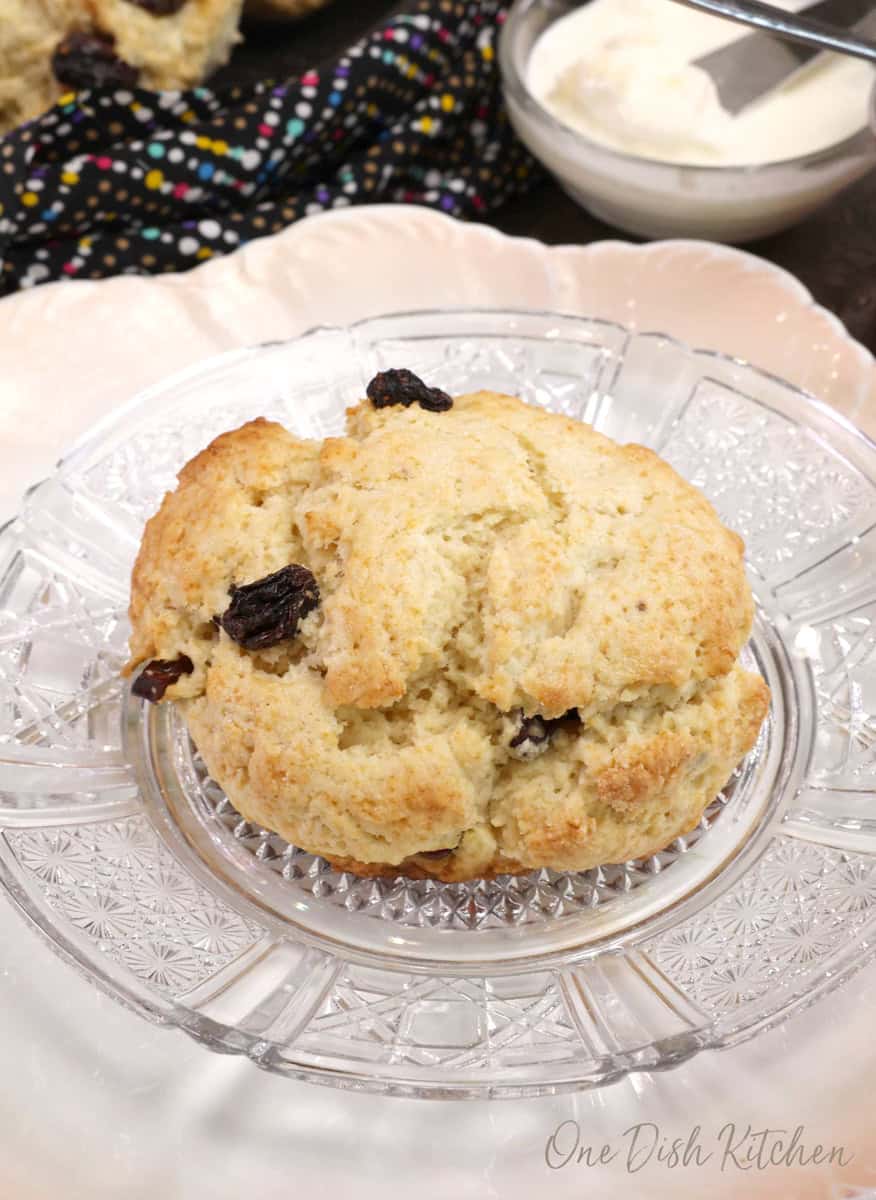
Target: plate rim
<point>174,379</point>
<point>106,424</point>
<point>215,305</point>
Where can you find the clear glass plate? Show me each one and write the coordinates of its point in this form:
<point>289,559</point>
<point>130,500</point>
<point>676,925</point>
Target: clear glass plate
<point>136,868</point>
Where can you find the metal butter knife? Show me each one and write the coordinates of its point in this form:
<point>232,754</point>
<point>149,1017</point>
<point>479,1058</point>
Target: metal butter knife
<point>749,68</point>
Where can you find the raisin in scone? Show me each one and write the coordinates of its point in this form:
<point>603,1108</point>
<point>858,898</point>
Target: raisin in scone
<point>470,637</point>
<point>48,47</point>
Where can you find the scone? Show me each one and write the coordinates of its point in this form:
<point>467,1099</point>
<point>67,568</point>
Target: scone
<point>28,36</point>
<point>48,47</point>
<point>471,637</point>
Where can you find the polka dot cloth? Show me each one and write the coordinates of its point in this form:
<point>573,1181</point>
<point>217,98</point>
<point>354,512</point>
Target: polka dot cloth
<point>135,182</point>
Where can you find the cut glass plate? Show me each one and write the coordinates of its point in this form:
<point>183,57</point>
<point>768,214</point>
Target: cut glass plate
<point>118,846</point>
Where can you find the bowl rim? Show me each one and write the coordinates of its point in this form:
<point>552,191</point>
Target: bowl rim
<point>856,143</point>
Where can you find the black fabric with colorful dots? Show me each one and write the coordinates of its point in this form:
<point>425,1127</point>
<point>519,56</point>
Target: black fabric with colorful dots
<point>134,182</point>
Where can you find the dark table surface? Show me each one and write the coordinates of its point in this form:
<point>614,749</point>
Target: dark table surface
<point>833,252</point>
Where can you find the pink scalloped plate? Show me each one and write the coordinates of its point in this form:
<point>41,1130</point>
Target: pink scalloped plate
<point>74,353</point>
<point>95,345</point>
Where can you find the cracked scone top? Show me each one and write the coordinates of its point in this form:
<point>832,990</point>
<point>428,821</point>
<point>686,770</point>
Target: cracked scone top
<point>509,642</point>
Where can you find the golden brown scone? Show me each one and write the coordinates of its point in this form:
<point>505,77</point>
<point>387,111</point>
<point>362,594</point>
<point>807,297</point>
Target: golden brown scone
<point>175,50</point>
<point>48,47</point>
<point>523,652</point>
<point>28,36</point>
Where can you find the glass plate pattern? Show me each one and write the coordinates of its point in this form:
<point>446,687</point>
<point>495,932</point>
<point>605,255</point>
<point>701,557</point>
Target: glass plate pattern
<point>130,860</point>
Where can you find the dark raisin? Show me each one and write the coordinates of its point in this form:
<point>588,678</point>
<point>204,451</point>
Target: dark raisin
<point>86,60</point>
<point>159,8</point>
<point>160,674</point>
<point>642,606</point>
<point>434,400</point>
<point>531,729</point>
<point>534,733</point>
<point>266,612</point>
<point>405,388</point>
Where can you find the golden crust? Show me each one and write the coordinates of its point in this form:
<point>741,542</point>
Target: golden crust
<point>230,519</point>
<point>470,563</point>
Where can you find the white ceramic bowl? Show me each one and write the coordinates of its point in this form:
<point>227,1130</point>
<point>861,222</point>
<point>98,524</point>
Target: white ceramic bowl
<point>653,198</point>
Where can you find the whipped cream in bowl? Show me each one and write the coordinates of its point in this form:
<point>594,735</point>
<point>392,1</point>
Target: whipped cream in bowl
<point>626,94</point>
<point>622,71</point>
<point>606,95</point>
